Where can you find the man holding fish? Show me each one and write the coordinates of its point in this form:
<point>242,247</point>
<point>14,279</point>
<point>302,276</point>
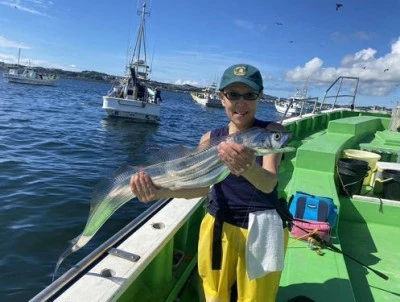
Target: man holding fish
<point>242,240</point>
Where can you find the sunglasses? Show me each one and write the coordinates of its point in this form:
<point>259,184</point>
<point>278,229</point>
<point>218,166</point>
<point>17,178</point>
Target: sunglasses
<point>234,96</point>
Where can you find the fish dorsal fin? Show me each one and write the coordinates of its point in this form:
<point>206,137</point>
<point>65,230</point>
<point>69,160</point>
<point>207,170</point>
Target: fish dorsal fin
<point>103,187</point>
<point>174,152</point>
<point>158,155</point>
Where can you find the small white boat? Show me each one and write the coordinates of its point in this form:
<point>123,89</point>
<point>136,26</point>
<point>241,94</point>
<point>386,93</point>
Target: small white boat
<point>132,97</point>
<point>287,105</point>
<point>30,76</point>
<point>292,106</point>
<point>208,97</point>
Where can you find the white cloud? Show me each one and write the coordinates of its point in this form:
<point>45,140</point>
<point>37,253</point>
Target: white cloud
<point>12,59</point>
<point>186,82</point>
<point>248,25</point>
<point>364,64</point>
<point>360,58</point>
<point>244,24</point>
<point>358,35</point>
<point>12,44</point>
<point>362,35</point>
<point>21,7</point>
<point>8,58</point>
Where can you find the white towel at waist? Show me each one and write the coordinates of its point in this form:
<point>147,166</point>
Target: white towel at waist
<point>264,247</point>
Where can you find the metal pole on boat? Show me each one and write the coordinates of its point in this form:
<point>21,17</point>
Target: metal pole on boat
<point>326,92</point>
<point>337,93</point>
<point>355,93</point>
<point>19,55</point>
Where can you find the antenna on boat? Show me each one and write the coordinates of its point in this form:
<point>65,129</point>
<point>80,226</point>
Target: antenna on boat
<point>152,56</point>
<point>19,55</point>
<point>143,9</point>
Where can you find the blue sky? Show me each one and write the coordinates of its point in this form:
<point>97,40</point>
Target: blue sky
<point>194,41</point>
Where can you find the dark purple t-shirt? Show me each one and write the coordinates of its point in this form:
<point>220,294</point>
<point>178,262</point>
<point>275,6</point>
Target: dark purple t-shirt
<point>234,198</point>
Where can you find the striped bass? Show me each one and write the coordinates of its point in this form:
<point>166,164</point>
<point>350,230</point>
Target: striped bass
<point>182,169</point>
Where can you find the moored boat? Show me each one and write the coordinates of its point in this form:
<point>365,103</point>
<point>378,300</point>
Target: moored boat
<point>30,75</point>
<point>132,97</point>
<point>295,104</point>
<point>287,106</point>
<point>208,97</point>
<point>154,258</point>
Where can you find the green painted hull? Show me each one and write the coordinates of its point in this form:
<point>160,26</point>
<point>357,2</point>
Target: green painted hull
<point>367,230</point>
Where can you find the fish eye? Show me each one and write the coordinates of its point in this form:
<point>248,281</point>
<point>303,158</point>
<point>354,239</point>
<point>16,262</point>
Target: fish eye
<point>277,136</point>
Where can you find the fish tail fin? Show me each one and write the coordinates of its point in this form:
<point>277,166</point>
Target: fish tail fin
<point>108,195</point>
<point>75,245</point>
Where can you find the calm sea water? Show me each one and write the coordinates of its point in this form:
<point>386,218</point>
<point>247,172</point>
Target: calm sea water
<point>56,143</point>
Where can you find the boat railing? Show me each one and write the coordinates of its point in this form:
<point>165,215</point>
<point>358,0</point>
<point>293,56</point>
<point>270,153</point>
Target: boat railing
<point>340,83</point>
<point>395,119</point>
<point>63,281</point>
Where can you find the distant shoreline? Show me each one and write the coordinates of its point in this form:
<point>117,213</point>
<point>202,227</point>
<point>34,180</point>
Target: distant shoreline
<point>102,77</point>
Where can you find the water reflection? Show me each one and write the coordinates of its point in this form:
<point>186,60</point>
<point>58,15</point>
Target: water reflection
<point>132,137</point>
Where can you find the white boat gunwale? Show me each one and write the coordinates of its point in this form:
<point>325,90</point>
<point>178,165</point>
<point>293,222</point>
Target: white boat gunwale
<point>153,236</point>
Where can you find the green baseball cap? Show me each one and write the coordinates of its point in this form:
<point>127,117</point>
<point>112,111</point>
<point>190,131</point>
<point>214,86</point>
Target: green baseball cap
<point>242,73</point>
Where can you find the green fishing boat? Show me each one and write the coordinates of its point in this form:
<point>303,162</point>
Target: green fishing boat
<point>154,258</point>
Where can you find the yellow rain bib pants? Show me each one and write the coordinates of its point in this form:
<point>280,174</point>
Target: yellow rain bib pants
<point>217,283</point>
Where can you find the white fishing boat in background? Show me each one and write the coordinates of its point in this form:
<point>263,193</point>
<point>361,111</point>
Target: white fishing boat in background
<point>30,76</point>
<point>132,97</point>
<point>286,105</point>
<point>208,97</point>
<point>292,105</point>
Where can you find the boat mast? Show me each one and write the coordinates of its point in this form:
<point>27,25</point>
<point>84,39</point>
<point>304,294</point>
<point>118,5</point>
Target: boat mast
<point>136,62</point>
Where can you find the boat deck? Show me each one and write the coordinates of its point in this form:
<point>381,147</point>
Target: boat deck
<point>367,231</point>
<point>310,275</point>
<point>373,245</point>
<point>366,228</point>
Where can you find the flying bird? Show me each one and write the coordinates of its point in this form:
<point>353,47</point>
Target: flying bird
<point>338,5</point>
<point>387,69</point>
<point>364,67</point>
<point>278,23</point>
<point>291,41</point>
